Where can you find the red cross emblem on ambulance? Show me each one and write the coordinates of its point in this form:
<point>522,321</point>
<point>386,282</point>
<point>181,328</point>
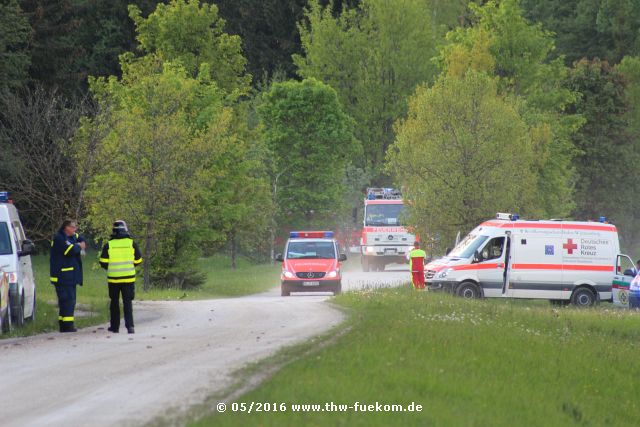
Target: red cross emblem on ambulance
<point>570,246</point>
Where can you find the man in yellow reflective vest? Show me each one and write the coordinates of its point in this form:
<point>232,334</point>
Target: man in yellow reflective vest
<point>120,256</point>
<point>416,262</point>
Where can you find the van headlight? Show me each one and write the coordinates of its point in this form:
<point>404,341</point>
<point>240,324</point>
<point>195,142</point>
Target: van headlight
<point>288,275</point>
<point>444,273</point>
<point>332,274</point>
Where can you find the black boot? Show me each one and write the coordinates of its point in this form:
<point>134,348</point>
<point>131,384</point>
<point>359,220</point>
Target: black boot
<point>68,327</point>
<point>112,329</point>
<point>61,324</point>
<point>131,330</point>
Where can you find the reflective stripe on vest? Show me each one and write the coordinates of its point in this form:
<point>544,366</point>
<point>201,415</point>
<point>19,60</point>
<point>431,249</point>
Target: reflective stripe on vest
<point>121,256</point>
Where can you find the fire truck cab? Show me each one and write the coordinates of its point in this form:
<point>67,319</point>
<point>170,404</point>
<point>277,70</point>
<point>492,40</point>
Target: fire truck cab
<point>311,263</point>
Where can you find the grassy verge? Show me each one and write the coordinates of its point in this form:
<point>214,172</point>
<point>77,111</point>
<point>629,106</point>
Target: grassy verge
<point>93,298</point>
<point>481,363</point>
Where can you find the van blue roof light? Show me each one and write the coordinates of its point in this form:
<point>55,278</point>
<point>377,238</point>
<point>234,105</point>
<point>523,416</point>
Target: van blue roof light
<point>328,234</point>
<point>294,234</point>
<point>4,196</point>
<point>603,219</point>
<point>515,217</point>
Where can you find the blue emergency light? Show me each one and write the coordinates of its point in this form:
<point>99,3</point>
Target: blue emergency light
<point>515,217</point>
<point>4,196</point>
<point>603,219</point>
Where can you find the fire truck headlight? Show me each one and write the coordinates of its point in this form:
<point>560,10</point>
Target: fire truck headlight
<point>332,274</point>
<point>288,275</point>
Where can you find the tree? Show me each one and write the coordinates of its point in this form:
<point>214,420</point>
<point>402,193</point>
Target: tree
<point>311,138</point>
<point>373,56</point>
<point>193,34</point>
<point>463,153</point>
<point>606,29</point>
<point>165,131</point>
<point>36,149</point>
<point>501,42</point>
<point>14,40</point>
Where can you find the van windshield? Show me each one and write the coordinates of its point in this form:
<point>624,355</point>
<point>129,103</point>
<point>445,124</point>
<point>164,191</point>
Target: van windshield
<point>468,246</point>
<point>310,250</point>
<point>5,239</point>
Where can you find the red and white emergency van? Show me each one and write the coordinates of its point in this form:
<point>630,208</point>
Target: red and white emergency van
<point>562,261</point>
<point>311,263</point>
<point>385,240</point>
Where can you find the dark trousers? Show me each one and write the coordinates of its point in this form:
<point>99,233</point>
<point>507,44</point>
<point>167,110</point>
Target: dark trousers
<point>634,300</point>
<point>128,291</point>
<point>66,302</point>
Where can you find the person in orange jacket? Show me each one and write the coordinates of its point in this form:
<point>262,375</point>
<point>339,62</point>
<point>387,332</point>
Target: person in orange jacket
<point>416,261</point>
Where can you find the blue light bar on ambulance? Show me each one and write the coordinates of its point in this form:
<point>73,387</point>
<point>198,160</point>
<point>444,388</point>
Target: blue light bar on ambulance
<point>603,219</point>
<point>4,196</point>
<point>311,234</point>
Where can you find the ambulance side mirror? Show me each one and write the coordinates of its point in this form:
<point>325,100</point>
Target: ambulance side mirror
<point>279,258</point>
<point>342,257</point>
<point>28,248</point>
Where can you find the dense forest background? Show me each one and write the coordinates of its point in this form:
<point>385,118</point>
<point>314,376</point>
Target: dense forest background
<point>237,119</point>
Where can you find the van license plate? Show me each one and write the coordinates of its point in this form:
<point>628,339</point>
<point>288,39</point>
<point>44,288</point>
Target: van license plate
<point>310,283</point>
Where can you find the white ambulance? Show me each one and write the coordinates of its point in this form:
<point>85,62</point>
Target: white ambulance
<point>562,261</point>
<point>15,261</point>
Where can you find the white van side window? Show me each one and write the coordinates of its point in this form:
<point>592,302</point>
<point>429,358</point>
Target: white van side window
<point>17,227</point>
<point>493,249</point>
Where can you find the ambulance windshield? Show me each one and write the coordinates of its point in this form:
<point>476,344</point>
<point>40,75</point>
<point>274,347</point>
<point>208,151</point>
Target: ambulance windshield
<point>311,250</point>
<point>468,246</point>
<point>388,214</point>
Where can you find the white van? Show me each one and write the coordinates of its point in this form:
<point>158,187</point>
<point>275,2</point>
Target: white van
<point>562,261</point>
<point>15,261</point>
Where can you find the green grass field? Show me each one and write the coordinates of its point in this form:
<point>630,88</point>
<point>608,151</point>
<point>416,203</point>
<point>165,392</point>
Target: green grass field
<point>93,298</point>
<point>468,363</point>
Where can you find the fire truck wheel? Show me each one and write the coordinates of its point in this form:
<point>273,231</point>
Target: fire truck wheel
<point>366,265</point>
<point>583,297</point>
<point>468,290</point>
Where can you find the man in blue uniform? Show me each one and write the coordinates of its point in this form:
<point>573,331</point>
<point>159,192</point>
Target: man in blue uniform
<point>66,271</point>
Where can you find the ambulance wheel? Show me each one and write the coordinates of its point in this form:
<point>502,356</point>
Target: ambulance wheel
<point>583,297</point>
<point>468,290</point>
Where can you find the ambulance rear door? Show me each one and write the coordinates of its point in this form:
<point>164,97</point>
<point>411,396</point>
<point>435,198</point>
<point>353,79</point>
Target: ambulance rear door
<point>621,280</point>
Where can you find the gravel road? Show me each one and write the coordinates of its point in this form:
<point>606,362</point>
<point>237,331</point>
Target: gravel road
<point>182,352</point>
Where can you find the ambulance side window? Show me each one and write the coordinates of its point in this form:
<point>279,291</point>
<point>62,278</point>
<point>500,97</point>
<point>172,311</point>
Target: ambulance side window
<point>493,249</point>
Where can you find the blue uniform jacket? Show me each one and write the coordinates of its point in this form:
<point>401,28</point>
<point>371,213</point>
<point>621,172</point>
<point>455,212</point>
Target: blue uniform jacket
<point>66,262</point>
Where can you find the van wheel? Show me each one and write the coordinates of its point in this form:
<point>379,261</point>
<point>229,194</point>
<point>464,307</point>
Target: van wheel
<point>284,292</point>
<point>17,313</point>
<point>583,297</point>
<point>468,290</point>
<point>338,291</point>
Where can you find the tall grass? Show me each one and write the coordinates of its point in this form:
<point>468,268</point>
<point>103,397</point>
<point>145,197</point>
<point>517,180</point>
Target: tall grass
<point>469,363</point>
